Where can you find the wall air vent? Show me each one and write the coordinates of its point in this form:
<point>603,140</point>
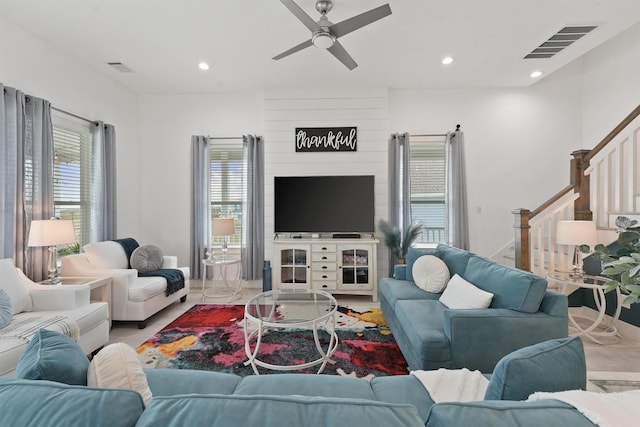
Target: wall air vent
<point>560,40</point>
<point>120,67</point>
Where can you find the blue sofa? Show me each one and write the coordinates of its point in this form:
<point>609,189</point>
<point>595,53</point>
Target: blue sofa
<point>431,336</point>
<point>198,398</point>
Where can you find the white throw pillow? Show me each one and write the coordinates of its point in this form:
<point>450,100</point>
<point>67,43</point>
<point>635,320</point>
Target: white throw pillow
<point>430,273</point>
<point>14,286</point>
<point>106,255</point>
<point>462,294</point>
<point>117,366</point>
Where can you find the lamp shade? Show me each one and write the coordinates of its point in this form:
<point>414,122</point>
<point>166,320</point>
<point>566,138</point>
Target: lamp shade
<point>51,232</point>
<point>576,233</point>
<point>223,227</point>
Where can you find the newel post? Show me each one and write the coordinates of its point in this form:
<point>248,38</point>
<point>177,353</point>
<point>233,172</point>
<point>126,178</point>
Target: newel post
<point>582,205</point>
<point>521,225</point>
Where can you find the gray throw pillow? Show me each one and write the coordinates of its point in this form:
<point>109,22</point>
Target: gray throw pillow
<point>147,258</point>
<point>6,309</point>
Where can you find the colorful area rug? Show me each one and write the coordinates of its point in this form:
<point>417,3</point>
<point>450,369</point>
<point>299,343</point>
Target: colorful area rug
<point>211,337</point>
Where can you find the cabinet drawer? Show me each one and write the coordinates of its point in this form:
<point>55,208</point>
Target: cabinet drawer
<point>324,275</point>
<point>325,284</point>
<point>319,247</point>
<point>324,266</point>
<point>324,257</point>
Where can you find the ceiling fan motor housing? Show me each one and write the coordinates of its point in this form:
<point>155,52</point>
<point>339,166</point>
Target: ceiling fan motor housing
<point>324,6</point>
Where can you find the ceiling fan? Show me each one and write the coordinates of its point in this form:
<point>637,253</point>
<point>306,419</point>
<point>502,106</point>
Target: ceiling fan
<point>325,34</point>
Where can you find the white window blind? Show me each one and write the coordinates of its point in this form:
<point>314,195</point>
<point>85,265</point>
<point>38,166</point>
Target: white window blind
<point>227,185</point>
<point>71,175</point>
<point>428,175</point>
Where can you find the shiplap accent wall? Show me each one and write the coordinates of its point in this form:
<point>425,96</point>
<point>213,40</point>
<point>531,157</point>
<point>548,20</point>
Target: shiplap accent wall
<point>367,109</point>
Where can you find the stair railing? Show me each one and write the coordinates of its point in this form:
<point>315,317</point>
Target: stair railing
<point>605,178</point>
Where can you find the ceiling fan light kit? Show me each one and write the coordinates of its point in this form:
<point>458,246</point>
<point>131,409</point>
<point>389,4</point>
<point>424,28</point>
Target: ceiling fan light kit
<point>324,34</point>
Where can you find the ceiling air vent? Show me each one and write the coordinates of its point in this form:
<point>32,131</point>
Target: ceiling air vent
<point>559,41</point>
<point>120,67</point>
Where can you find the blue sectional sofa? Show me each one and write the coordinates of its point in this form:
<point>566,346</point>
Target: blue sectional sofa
<point>431,336</point>
<point>199,398</point>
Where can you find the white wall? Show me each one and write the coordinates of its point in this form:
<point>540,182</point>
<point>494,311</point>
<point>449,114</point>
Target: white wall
<point>37,68</point>
<point>517,144</point>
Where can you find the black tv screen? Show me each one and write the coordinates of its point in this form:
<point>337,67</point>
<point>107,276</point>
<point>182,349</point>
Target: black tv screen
<point>324,204</point>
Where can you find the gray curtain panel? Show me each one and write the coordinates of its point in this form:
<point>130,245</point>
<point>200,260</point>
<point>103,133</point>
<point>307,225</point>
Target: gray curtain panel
<point>26,152</point>
<point>252,252</point>
<point>456,192</point>
<point>103,183</point>
<point>399,185</point>
<point>200,204</point>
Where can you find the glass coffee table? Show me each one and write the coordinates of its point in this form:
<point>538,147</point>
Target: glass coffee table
<point>305,309</point>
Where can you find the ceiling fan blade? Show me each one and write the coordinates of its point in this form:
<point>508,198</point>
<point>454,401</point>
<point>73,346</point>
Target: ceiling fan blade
<point>359,21</point>
<point>340,52</point>
<point>301,15</point>
<point>294,49</point>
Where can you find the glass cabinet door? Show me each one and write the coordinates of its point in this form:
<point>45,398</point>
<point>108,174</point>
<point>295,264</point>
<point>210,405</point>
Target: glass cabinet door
<point>355,266</point>
<point>293,266</point>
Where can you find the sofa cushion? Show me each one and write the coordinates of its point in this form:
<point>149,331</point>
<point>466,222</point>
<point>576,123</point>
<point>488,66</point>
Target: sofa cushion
<point>147,258</point>
<point>412,255</point>
<point>422,322</point>
<point>14,286</point>
<point>306,385</point>
<point>6,309</point>
<point>393,290</point>
<point>45,403</point>
<point>117,366</point>
<point>455,258</point>
<point>55,357</point>
<point>553,365</point>
<point>511,288</point>
<point>275,411</point>
<point>460,294</point>
<point>430,273</point>
<point>169,382</point>
<point>106,255</point>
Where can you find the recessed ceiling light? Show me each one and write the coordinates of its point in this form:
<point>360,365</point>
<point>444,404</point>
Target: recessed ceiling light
<point>447,60</point>
<point>536,74</point>
<point>203,66</point>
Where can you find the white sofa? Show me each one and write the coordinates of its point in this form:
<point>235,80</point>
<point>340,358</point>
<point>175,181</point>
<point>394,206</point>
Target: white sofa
<point>65,308</point>
<point>133,298</point>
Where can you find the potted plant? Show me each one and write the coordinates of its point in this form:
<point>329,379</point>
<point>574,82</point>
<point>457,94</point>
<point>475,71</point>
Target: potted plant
<point>397,242</point>
<point>623,267</point>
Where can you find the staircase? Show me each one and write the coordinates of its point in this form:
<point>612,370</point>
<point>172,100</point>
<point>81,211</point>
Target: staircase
<point>605,184</point>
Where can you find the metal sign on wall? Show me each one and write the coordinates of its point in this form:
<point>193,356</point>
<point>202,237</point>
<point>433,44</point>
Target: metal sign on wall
<point>327,139</point>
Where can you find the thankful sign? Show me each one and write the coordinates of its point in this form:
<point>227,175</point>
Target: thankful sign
<point>327,139</point>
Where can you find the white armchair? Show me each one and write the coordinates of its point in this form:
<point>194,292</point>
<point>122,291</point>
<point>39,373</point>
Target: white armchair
<point>133,298</point>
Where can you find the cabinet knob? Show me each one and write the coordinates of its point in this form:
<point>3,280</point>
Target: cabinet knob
<point>324,257</point>
<point>324,248</point>
<point>324,267</point>
<point>325,277</point>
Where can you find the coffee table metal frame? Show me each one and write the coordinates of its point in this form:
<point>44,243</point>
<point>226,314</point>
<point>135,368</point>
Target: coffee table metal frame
<point>260,317</point>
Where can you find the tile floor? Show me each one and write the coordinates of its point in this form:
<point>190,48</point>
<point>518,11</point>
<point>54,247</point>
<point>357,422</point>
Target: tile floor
<point>617,354</point>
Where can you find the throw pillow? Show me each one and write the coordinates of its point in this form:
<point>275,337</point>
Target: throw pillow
<point>147,258</point>
<point>6,309</point>
<point>549,366</point>
<point>461,294</point>
<point>117,366</point>
<point>430,273</point>
<point>53,356</point>
<point>106,255</point>
<point>14,286</point>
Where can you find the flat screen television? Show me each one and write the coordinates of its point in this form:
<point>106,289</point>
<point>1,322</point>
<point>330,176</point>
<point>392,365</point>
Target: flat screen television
<point>324,204</point>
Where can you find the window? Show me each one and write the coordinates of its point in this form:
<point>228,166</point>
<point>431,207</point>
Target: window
<point>71,175</point>
<point>428,182</point>
<point>226,186</point>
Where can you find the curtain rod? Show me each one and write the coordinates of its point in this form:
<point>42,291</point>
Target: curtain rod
<point>224,137</point>
<point>72,115</point>
<point>435,134</point>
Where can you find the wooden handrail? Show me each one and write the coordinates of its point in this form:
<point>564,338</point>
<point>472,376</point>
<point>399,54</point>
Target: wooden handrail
<point>607,139</point>
<point>551,201</point>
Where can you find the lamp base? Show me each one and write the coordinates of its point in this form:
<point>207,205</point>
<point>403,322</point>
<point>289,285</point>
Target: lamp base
<point>52,268</point>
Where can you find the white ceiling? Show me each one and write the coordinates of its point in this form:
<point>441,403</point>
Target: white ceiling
<point>162,41</point>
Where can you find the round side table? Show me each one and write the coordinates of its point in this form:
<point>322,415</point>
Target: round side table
<point>600,327</point>
<point>219,266</point>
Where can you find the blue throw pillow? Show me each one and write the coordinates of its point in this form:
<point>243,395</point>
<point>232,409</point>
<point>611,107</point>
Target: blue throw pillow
<point>550,366</point>
<point>55,357</point>
<point>6,309</point>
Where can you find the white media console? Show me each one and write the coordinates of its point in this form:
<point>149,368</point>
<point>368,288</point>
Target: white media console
<point>338,266</point>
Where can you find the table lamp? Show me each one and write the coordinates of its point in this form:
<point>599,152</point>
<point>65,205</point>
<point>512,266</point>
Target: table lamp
<point>223,227</point>
<point>51,232</point>
<point>576,233</point>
